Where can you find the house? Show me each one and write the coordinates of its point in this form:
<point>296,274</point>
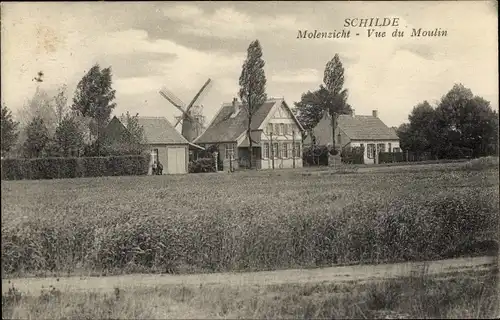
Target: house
<point>275,131</point>
<point>357,131</point>
<point>166,145</point>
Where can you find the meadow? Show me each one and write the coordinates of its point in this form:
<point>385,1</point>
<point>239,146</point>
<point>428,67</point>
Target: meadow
<point>246,221</point>
<point>469,295</point>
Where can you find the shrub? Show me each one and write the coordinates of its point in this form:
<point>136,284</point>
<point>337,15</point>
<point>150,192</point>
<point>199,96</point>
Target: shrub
<point>202,165</point>
<point>316,155</point>
<point>353,155</point>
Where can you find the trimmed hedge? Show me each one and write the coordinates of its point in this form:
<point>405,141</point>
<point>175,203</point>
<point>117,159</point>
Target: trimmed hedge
<point>59,168</point>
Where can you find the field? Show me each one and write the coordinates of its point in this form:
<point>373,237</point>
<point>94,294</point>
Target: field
<point>245,221</point>
<point>470,294</point>
<point>248,222</point>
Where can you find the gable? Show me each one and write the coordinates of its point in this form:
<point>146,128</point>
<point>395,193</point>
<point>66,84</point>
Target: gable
<point>228,127</point>
<point>282,113</point>
<point>116,132</point>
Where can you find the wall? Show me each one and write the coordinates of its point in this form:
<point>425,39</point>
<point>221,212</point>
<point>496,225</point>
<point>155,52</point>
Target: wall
<point>357,143</point>
<point>281,116</point>
<point>163,155</point>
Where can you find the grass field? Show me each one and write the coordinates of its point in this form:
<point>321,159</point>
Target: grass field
<point>245,221</point>
<point>469,295</point>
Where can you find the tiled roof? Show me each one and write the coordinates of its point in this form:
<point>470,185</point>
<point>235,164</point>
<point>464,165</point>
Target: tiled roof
<point>365,128</point>
<point>158,130</point>
<point>355,127</point>
<point>225,128</point>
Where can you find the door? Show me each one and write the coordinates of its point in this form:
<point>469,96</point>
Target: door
<point>176,160</point>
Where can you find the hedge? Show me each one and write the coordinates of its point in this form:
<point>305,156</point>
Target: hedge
<point>59,168</point>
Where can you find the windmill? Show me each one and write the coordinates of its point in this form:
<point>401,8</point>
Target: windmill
<point>192,118</point>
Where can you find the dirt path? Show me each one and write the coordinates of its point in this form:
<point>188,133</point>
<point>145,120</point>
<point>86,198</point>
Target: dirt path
<point>332,274</point>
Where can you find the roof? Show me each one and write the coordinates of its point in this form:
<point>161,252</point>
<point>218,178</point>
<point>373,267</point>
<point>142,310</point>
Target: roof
<point>227,128</point>
<point>365,128</point>
<point>158,130</point>
<point>355,127</point>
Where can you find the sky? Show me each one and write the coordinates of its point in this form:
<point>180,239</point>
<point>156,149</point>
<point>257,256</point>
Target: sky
<point>179,45</point>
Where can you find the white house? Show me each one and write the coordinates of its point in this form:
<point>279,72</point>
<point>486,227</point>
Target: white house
<point>275,131</point>
<point>357,131</point>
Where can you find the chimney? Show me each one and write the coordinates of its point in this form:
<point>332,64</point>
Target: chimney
<point>236,106</point>
<point>375,113</point>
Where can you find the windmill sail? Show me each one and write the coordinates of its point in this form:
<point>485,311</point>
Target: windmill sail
<point>191,117</point>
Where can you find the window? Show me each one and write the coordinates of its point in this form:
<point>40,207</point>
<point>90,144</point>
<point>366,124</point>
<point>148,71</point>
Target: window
<point>370,150</point>
<point>381,147</point>
<point>275,150</point>
<point>397,150</point>
<point>284,151</point>
<point>282,128</point>
<point>277,129</point>
<point>269,128</point>
<point>389,147</point>
<point>266,151</point>
<point>297,151</point>
<point>154,155</point>
<point>229,151</point>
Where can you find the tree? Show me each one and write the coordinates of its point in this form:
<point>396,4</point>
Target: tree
<point>467,124</point>
<point>94,97</point>
<point>334,82</point>
<point>68,138</point>
<point>310,109</point>
<point>60,102</point>
<point>9,130</point>
<point>461,125</point>
<point>37,138</point>
<point>134,127</point>
<point>41,106</point>
<point>419,134</point>
<point>252,87</point>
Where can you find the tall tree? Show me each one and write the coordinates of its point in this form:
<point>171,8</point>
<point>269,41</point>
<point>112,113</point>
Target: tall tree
<point>314,105</point>
<point>37,138</point>
<point>252,87</point>
<point>94,97</point>
<point>68,138</point>
<point>334,82</point>
<point>9,130</point>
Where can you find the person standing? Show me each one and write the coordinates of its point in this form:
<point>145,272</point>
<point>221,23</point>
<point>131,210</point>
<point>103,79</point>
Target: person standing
<point>155,168</point>
<point>159,168</point>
